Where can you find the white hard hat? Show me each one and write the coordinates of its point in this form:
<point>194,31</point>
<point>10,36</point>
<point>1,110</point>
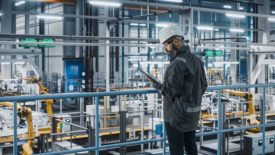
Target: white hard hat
<point>169,32</point>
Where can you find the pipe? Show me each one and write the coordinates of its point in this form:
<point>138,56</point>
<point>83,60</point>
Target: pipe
<point>69,37</point>
<point>115,93</point>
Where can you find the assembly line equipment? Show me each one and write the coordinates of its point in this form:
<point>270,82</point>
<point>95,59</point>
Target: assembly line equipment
<point>220,131</point>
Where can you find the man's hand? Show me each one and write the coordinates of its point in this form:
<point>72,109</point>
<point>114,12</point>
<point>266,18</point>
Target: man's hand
<point>157,85</point>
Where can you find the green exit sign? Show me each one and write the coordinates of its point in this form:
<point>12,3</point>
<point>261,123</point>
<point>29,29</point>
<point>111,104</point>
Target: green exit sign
<point>213,53</point>
<point>31,42</point>
<point>28,42</point>
<point>47,43</point>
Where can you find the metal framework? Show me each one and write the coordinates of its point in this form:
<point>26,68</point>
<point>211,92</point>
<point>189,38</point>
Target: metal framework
<point>219,132</point>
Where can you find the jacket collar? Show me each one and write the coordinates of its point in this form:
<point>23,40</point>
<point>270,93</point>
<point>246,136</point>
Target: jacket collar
<point>175,53</point>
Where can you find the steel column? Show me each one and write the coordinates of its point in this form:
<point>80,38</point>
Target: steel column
<point>14,128</point>
<point>54,127</point>
<point>122,135</point>
<point>263,119</point>
<point>220,149</point>
<point>91,138</point>
<point>97,125</point>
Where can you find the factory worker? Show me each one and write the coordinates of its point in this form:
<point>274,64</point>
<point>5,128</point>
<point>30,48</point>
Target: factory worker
<point>184,84</point>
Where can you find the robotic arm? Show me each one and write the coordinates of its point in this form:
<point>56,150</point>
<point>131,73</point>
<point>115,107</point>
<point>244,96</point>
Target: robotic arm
<point>251,107</point>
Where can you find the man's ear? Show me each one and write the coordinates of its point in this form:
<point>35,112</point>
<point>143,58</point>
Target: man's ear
<point>176,42</point>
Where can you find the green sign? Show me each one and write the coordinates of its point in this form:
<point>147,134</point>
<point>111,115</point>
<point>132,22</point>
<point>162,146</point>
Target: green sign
<point>30,42</point>
<point>47,43</point>
<point>213,53</point>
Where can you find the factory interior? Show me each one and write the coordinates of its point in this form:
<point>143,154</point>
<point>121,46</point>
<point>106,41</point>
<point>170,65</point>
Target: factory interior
<point>71,80</point>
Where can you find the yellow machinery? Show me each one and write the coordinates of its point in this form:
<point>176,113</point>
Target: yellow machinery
<point>251,108</point>
<point>24,113</point>
<point>49,102</point>
<point>43,90</point>
<point>27,113</point>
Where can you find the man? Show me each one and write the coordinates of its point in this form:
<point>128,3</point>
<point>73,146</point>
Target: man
<point>184,84</point>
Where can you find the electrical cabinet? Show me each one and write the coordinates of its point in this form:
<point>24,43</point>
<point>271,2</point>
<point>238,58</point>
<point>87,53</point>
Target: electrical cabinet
<point>253,144</point>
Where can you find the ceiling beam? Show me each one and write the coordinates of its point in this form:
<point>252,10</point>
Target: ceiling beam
<point>70,2</point>
<point>68,37</point>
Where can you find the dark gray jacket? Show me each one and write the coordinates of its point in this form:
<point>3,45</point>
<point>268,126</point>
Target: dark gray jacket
<point>184,84</point>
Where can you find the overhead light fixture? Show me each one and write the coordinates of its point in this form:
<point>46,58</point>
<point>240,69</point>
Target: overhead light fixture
<point>227,6</point>
<point>105,3</point>
<point>273,12</point>
<point>235,15</point>
<point>271,19</point>
<point>241,8</point>
<point>5,63</point>
<point>207,28</point>
<point>226,62</point>
<point>236,30</point>
<point>176,1</point>
<point>154,62</point>
<point>216,29</point>
<point>1,14</point>
<point>133,59</point>
<point>138,24</point>
<point>51,17</point>
<point>19,63</point>
<point>19,3</point>
<point>164,24</point>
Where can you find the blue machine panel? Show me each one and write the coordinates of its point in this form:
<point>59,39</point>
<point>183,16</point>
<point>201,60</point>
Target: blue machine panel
<point>73,74</point>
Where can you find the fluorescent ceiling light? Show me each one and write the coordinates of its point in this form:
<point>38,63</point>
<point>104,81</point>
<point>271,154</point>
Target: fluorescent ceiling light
<point>20,3</point>
<point>137,24</point>
<point>273,12</point>
<point>227,6</point>
<point>163,24</point>
<point>19,63</point>
<point>216,29</point>
<point>177,1</point>
<point>5,63</point>
<point>53,17</point>
<point>154,62</point>
<point>235,15</point>
<point>271,19</point>
<point>1,14</point>
<point>225,62</point>
<point>241,8</point>
<point>236,30</point>
<point>133,59</point>
<point>208,28</point>
<point>105,3</point>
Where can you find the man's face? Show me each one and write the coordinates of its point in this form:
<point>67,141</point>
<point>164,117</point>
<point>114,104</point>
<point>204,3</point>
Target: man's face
<point>168,45</point>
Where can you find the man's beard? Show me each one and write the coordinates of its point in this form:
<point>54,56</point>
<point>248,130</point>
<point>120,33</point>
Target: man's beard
<point>173,52</point>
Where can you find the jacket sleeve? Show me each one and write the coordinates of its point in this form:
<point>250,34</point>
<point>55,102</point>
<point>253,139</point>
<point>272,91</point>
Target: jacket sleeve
<point>203,79</point>
<point>173,86</point>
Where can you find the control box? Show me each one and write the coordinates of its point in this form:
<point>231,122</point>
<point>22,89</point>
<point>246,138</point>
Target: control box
<point>253,144</point>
